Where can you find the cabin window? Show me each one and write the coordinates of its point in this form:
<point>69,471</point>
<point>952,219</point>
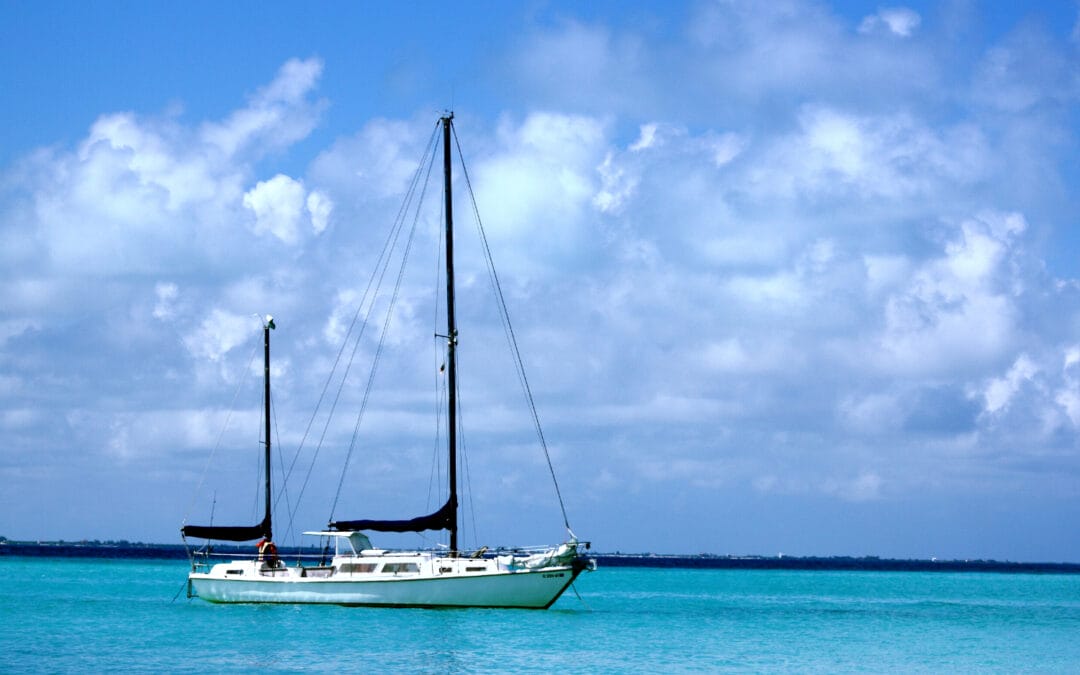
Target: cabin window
<point>401,568</point>
<point>234,571</point>
<point>475,569</point>
<point>358,568</point>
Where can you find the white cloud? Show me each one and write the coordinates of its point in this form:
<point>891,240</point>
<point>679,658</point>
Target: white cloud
<point>875,415</point>
<point>591,60</point>
<point>955,311</point>
<point>726,147</point>
<point>538,184</point>
<point>999,392</point>
<point>276,116</point>
<point>278,205</point>
<point>759,249</point>
<point>616,186</point>
<point>1068,394</point>
<point>865,486</point>
<point>144,194</point>
<point>703,473</point>
<point>1025,74</point>
<point>899,21</point>
<point>658,147</point>
<point>341,316</point>
<point>166,297</point>
<point>319,207</point>
<point>646,139</point>
<point>218,333</point>
<point>14,419</point>
<point>735,355</point>
<point>778,291</point>
<point>132,436</point>
<point>376,163</point>
<point>896,157</point>
<point>886,272</point>
<point>10,328</point>
<point>283,208</point>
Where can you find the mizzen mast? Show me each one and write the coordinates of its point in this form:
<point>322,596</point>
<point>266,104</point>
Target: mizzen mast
<point>267,326</point>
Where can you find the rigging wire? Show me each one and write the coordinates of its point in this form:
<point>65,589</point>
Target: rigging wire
<point>435,477</point>
<point>259,475</point>
<point>284,491</point>
<point>382,336</point>
<point>391,242</point>
<point>462,446</point>
<point>381,262</point>
<point>258,469</point>
<point>369,300</point>
<point>221,434</point>
<point>509,330</point>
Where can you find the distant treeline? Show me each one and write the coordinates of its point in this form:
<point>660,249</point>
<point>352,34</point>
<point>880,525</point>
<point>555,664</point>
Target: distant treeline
<point>129,550</point>
<point>134,550</point>
<point>833,563</point>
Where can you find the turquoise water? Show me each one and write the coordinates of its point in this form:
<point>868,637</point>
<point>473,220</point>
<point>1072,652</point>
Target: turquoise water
<point>67,615</point>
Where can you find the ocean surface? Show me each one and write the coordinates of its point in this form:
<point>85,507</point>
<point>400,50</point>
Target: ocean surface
<point>79,614</point>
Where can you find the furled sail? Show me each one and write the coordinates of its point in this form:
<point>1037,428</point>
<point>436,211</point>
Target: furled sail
<point>443,519</point>
<point>227,533</point>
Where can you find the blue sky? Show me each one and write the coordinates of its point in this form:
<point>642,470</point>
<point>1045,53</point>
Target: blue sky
<point>794,278</point>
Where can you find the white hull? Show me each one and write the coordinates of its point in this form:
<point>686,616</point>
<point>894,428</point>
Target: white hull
<point>378,578</point>
<point>530,590</point>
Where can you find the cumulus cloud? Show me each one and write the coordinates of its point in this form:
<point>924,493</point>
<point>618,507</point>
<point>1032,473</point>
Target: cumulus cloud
<point>1068,394</point>
<point>870,156</point>
<point>142,193</point>
<point>278,115</point>
<point>10,328</point>
<point>956,311</point>
<point>864,486</point>
<point>166,298</point>
<point>376,162</point>
<point>593,60</point>
<point>319,207</point>
<point>191,431</point>
<point>735,355</point>
<point>1000,391</point>
<point>726,147</point>
<point>616,186</point>
<point>218,333</point>
<point>539,184</point>
<point>278,205</point>
<point>900,21</point>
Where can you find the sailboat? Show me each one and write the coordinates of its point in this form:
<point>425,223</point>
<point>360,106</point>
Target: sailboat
<point>360,574</point>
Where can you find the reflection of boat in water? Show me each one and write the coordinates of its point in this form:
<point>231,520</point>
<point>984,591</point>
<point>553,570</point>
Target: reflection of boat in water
<point>358,573</point>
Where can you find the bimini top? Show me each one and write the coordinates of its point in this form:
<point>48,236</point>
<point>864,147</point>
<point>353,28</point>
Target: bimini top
<point>357,540</point>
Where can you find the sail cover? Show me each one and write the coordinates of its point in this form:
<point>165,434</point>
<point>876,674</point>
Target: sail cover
<point>443,519</point>
<point>227,533</point>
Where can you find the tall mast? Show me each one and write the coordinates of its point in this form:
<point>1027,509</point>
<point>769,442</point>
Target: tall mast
<point>268,533</point>
<point>451,331</point>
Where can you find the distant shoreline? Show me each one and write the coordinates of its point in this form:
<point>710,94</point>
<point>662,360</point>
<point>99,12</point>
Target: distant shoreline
<point>140,551</point>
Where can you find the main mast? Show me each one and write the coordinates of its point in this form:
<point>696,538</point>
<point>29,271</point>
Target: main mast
<point>451,332</point>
